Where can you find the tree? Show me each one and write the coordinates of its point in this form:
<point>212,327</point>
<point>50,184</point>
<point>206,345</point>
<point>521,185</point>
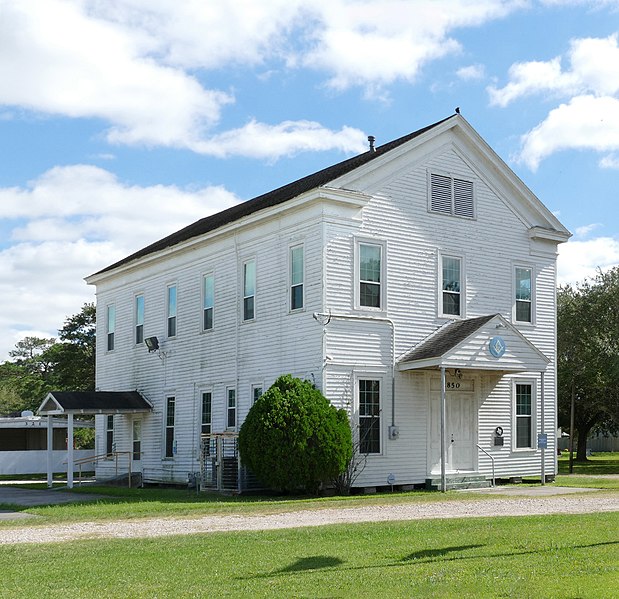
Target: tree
<point>588,356</point>
<point>293,438</point>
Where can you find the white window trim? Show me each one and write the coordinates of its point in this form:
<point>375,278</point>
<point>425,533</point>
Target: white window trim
<point>167,320</point>
<point>370,376</point>
<point>202,391</point>
<point>530,267</point>
<point>291,247</point>
<point>441,313</point>
<point>452,176</point>
<point>236,409</point>
<point>251,392</point>
<point>243,296</point>
<point>108,455</point>
<point>359,241</point>
<point>208,273</point>
<point>169,395</point>
<point>534,404</point>
<point>107,328</point>
<point>135,318</point>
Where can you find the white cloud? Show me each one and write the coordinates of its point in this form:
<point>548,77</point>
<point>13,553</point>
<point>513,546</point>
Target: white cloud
<point>579,260</point>
<point>586,229</point>
<point>610,161</point>
<point>473,72</point>
<point>71,222</point>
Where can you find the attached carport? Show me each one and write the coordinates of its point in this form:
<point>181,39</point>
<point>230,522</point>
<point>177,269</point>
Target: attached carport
<point>69,403</point>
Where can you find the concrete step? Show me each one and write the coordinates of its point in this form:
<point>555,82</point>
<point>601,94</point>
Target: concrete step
<point>458,482</point>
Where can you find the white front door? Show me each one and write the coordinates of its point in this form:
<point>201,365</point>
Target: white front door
<point>460,427</point>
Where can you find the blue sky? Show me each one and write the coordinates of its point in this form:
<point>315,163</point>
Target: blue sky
<point>122,121</point>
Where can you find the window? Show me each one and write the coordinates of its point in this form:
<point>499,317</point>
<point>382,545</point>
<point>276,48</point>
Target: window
<point>369,416</point>
<point>172,311</point>
<point>231,409</point>
<point>109,435</point>
<point>249,289</point>
<point>139,319</point>
<point>256,393</point>
<point>524,296</point>
<point>451,195</point>
<point>524,415</point>
<point>370,264</point>
<point>169,427</point>
<point>208,301</point>
<point>296,277</point>
<point>207,410</point>
<point>137,440</point>
<point>111,326</point>
<point>451,281</point>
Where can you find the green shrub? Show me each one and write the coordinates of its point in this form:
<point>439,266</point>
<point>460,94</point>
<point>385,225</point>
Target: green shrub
<point>293,438</point>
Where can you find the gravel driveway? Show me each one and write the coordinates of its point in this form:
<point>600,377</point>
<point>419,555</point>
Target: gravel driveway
<point>159,527</point>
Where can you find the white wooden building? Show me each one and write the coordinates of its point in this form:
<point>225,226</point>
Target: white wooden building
<point>414,284</point>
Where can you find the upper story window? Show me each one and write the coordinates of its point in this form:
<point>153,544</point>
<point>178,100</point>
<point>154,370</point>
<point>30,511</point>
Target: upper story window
<point>172,311</point>
<point>208,301</point>
<point>110,326</point>
<point>296,277</point>
<point>452,195</point>
<point>370,275</point>
<point>523,311</point>
<point>139,319</point>
<point>256,393</point>
<point>249,289</point>
<point>451,286</point>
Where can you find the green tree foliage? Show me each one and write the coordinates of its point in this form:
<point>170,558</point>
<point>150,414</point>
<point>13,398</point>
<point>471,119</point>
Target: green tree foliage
<point>293,438</point>
<point>588,356</point>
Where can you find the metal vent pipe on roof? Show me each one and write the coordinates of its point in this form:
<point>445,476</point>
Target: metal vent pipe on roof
<point>372,139</point>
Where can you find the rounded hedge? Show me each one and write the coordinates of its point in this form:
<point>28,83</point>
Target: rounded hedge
<point>293,438</point>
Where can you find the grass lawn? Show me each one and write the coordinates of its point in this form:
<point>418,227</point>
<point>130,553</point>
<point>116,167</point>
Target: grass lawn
<point>598,463</point>
<point>548,556</point>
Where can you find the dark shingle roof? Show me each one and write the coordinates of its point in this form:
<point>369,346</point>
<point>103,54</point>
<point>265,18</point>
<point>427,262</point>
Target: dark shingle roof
<point>267,200</point>
<point>101,401</point>
<point>445,339</point>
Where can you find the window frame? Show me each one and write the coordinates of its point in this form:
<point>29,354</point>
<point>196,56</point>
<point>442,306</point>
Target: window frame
<point>203,422</point>
<point>382,283</point>
<point>292,285</point>
<point>169,428</point>
<point>254,388</point>
<point>532,416</point>
<point>453,209</point>
<point>110,327</point>
<point>231,409</point>
<point>109,437</point>
<point>441,292</point>
<point>515,300</point>
<point>136,444</point>
<point>171,311</point>
<point>139,316</point>
<point>362,378</point>
<point>206,276</point>
<point>245,295</point>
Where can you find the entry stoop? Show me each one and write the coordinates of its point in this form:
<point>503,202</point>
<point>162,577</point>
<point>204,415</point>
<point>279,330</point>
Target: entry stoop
<point>458,482</point>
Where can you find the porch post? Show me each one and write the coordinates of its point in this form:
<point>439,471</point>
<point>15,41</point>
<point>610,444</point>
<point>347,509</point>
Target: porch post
<point>543,473</point>
<point>50,450</point>
<point>443,442</point>
<point>70,451</point>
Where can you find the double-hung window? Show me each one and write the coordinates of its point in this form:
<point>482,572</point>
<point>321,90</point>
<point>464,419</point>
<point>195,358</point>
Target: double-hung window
<point>109,435</point>
<point>452,195</point>
<point>249,289</point>
<point>451,286</point>
<point>369,416</point>
<point>524,294</point>
<point>207,410</point>
<point>139,319</point>
<point>172,307</point>
<point>256,393</point>
<point>231,408</point>
<point>169,426</point>
<point>296,277</point>
<point>208,301</point>
<point>137,440</point>
<point>370,275</point>
<point>524,415</point>
<point>111,326</point>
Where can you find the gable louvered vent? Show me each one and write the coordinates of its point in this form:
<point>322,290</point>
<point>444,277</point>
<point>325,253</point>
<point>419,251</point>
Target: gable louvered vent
<point>451,196</point>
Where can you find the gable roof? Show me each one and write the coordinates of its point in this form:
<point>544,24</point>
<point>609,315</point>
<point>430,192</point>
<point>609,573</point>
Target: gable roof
<point>94,402</point>
<point>269,199</point>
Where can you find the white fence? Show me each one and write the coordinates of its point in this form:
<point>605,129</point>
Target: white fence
<point>35,461</point>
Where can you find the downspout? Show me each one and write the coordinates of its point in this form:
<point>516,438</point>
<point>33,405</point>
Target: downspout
<point>443,440</point>
<point>543,472</point>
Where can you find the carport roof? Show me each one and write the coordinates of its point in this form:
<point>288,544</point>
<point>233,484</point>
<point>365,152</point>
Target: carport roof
<point>94,402</point>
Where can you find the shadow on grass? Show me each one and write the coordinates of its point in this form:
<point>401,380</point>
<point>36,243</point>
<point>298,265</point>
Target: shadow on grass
<point>315,562</point>
<point>428,554</point>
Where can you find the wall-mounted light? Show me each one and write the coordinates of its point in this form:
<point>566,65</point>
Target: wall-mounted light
<point>152,343</point>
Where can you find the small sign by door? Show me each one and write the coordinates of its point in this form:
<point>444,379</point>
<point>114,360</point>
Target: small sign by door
<point>542,441</point>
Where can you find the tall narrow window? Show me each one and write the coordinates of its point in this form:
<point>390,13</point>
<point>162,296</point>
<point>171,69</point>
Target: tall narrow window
<point>137,440</point>
<point>249,289</point>
<point>139,319</point>
<point>231,409</point>
<point>369,416</point>
<point>524,415</point>
<point>207,410</point>
<point>208,301</point>
<point>172,311</point>
<point>296,277</point>
<point>524,312</point>
<point>451,285</point>
<point>109,435</point>
<point>256,393</point>
<point>111,326</point>
<point>369,275</point>
<point>169,427</point>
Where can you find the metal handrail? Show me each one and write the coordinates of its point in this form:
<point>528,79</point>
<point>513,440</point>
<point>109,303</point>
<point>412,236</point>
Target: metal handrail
<point>491,459</point>
<point>105,456</point>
